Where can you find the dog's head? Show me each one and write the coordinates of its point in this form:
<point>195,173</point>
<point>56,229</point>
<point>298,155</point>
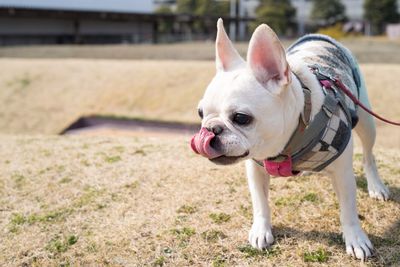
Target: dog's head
<point>244,107</point>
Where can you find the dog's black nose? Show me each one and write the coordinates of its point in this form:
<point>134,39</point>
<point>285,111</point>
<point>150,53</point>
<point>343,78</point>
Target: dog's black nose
<point>217,129</point>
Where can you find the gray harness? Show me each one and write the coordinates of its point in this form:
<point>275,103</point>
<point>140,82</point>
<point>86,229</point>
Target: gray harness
<point>317,143</point>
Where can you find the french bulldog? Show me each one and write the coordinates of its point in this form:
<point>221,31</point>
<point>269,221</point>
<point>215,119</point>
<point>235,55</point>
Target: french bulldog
<point>251,108</point>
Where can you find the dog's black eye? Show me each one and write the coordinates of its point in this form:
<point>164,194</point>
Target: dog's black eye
<point>200,112</point>
<point>241,119</point>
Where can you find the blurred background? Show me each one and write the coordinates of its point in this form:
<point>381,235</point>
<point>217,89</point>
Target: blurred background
<point>98,100</point>
<point>161,21</point>
<point>64,62</point>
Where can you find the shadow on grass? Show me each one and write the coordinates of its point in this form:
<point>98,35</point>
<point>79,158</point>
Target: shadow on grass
<point>387,246</point>
<point>362,184</point>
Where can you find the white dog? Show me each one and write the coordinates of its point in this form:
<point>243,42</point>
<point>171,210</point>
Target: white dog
<point>278,112</point>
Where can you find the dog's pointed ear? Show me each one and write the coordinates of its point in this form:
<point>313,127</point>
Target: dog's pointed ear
<point>266,58</point>
<point>226,56</point>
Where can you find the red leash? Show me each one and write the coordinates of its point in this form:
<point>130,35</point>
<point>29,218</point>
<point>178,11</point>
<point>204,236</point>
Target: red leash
<point>342,87</point>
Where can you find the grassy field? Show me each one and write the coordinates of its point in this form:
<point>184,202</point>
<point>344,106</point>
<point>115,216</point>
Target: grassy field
<point>44,96</point>
<point>73,201</point>
<point>149,201</point>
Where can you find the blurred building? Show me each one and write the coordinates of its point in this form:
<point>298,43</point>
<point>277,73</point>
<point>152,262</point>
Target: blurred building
<point>97,22</point>
<point>133,21</point>
<point>76,21</point>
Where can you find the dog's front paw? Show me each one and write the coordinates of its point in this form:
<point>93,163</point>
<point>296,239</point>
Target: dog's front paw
<point>357,243</point>
<point>260,235</point>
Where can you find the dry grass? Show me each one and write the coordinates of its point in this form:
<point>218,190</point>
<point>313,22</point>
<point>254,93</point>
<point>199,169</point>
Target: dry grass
<point>45,96</point>
<point>130,202</point>
<point>136,201</point>
<point>367,50</point>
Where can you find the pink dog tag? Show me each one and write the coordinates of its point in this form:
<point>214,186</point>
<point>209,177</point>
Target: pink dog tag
<point>283,168</point>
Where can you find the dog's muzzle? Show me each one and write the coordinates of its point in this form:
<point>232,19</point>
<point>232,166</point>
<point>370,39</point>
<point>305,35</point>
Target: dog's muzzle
<point>202,143</point>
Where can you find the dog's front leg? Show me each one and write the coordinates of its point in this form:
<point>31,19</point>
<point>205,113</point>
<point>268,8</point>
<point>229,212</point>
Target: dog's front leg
<point>260,235</point>
<point>341,170</point>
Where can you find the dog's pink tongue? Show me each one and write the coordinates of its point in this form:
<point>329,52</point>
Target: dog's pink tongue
<point>200,144</point>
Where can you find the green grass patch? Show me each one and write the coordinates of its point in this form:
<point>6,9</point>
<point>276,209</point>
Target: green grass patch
<point>85,163</point>
<point>184,233</point>
<point>18,219</point>
<point>362,183</point>
<point>285,201</point>
<point>296,200</point>
<point>87,198</point>
<point>24,82</point>
<point>140,152</point>
<point>91,247</point>
<point>19,180</point>
<point>160,261</point>
<point>59,245</point>
<point>320,255</point>
<point>21,82</point>
<point>187,209</point>
<point>213,235</point>
<point>112,159</point>
<point>219,261</point>
<point>132,185</point>
<point>48,217</point>
<point>220,218</point>
<point>251,252</point>
<point>65,180</point>
<point>310,197</point>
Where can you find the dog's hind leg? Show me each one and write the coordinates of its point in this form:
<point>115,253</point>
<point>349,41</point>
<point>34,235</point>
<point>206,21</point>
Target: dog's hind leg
<point>366,130</point>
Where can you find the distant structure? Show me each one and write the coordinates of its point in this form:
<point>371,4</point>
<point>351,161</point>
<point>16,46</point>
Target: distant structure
<point>91,22</point>
<point>76,21</point>
<point>132,21</point>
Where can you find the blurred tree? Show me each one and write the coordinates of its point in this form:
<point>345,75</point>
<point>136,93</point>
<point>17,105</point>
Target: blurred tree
<point>186,6</point>
<point>203,8</point>
<point>278,14</point>
<point>379,13</point>
<point>212,7</point>
<point>328,12</point>
<point>164,26</point>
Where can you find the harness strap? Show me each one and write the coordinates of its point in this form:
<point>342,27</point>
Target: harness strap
<point>282,164</point>
<point>303,136</point>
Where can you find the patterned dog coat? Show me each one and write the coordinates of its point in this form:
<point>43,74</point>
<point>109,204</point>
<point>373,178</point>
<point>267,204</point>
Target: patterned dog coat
<point>317,143</point>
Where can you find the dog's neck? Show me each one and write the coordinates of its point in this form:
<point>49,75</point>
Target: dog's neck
<point>294,102</point>
<point>310,81</point>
